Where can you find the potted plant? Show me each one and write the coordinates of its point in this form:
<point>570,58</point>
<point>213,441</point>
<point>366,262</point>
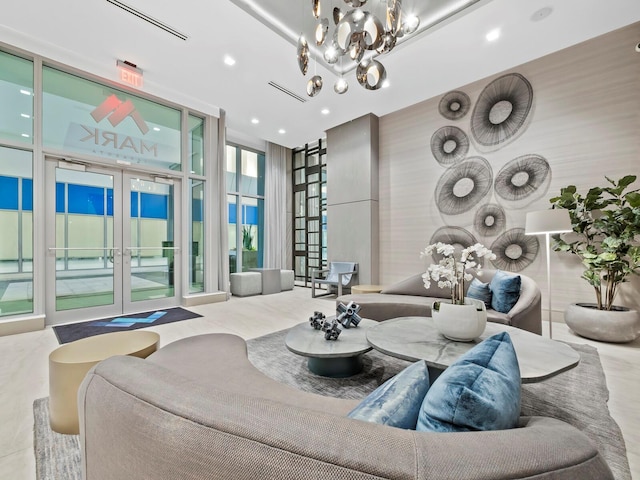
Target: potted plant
<point>464,318</point>
<point>606,230</point>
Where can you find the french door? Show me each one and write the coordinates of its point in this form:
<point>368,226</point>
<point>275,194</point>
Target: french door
<point>113,244</point>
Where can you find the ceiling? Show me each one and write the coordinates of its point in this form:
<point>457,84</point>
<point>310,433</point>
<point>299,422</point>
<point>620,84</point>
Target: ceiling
<point>92,34</point>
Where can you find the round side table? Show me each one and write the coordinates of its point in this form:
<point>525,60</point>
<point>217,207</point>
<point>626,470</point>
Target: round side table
<point>69,364</point>
<point>366,288</point>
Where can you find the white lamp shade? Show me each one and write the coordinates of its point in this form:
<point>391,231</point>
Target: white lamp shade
<point>548,221</point>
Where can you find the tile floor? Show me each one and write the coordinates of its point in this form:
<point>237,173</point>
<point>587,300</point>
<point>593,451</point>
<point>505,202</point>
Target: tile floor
<point>24,371</point>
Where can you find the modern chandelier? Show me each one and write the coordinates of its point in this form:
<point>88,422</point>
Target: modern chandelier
<point>353,34</point>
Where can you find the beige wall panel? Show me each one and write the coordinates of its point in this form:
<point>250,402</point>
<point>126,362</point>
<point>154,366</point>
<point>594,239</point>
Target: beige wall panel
<point>357,242</point>
<point>585,122</point>
<point>85,231</point>
<point>9,229</point>
<point>27,235</point>
<point>152,233</point>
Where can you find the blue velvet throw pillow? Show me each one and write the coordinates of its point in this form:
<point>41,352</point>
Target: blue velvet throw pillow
<point>396,402</point>
<point>505,290</point>
<point>480,391</point>
<point>480,291</point>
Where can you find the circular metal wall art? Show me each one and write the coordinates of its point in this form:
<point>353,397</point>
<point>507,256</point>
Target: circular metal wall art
<point>502,109</point>
<point>514,250</point>
<point>370,74</point>
<point>463,186</point>
<point>454,105</point>
<point>490,220</point>
<point>449,145</point>
<point>456,236</point>
<point>521,177</point>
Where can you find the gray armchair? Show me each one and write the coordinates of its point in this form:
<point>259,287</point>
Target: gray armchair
<point>339,275</point>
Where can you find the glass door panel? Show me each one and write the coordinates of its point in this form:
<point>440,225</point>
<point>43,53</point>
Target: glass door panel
<point>84,250</point>
<point>111,242</point>
<point>152,255</point>
<point>84,263</point>
<point>151,243</point>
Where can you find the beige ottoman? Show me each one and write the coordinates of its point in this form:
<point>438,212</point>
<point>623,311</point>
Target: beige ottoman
<point>69,364</point>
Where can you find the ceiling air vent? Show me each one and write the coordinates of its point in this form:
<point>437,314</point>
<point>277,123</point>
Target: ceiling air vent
<point>147,18</point>
<point>288,92</point>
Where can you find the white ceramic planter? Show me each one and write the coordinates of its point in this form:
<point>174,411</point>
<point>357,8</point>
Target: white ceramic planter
<point>618,326</point>
<point>461,323</point>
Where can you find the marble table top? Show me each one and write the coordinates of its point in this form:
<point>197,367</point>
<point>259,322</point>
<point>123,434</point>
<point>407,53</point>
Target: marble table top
<point>304,340</point>
<point>416,338</point>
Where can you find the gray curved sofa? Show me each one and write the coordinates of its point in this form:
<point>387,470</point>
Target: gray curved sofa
<point>198,409</point>
<point>409,298</point>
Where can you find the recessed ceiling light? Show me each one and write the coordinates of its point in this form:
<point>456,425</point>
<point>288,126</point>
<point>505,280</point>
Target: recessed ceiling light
<point>282,131</point>
<point>229,60</point>
<point>24,115</point>
<point>493,35</point>
<point>541,14</point>
<point>255,121</point>
<point>325,111</point>
<point>156,129</point>
<point>25,92</point>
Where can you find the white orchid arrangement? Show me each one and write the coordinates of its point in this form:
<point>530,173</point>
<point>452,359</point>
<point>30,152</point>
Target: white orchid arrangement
<point>452,273</point>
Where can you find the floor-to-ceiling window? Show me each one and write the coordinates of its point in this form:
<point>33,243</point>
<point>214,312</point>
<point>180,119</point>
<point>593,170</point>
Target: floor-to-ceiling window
<point>196,146</point>
<point>246,207</point>
<point>16,185</point>
<point>104,195</point>
<point>309,210</point>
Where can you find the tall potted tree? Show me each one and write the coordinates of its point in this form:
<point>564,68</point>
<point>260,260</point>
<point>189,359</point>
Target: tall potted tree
<point>606,232</point>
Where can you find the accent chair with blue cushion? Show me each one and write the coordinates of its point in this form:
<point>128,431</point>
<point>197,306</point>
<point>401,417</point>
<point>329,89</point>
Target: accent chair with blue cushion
<point>339,275</point>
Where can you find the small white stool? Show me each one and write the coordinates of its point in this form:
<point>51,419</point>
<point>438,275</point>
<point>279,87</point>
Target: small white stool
<point>287,279</point>
<point>244,284</point>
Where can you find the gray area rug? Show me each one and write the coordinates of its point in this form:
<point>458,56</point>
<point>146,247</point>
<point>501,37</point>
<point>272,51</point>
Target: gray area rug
<point>57,455</point>
<point>578,396</point>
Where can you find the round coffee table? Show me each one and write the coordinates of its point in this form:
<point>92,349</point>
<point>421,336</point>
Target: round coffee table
<point>416,338</point>
<point>69,364</point>
<point>331,358</point>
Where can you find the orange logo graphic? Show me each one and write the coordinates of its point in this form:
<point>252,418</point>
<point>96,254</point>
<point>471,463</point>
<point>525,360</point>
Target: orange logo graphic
<point>117,111</point>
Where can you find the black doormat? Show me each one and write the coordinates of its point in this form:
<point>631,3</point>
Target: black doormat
<point>76,331</point>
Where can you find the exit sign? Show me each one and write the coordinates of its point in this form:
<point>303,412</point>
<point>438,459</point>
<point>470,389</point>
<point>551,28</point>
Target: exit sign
<point>130,74</point>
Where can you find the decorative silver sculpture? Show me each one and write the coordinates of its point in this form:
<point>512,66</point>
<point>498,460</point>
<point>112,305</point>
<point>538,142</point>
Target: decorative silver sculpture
<point>348,314</point>
<point>303,55</point>
<point>316,320</point>
<point>371,74</point>
<point>331,328</point>
<point>354,33</point>
<point>314,85</point>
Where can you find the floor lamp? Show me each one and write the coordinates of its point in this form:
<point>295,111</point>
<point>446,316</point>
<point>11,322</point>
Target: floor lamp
<point>548,222</point>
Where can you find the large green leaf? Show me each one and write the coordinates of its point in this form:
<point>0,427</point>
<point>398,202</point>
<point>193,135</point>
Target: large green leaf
<point>608,256</point>
<point>634,199</point>
<point>627,180</point>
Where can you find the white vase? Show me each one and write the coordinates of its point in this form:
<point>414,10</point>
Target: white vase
<point>461,323</point>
